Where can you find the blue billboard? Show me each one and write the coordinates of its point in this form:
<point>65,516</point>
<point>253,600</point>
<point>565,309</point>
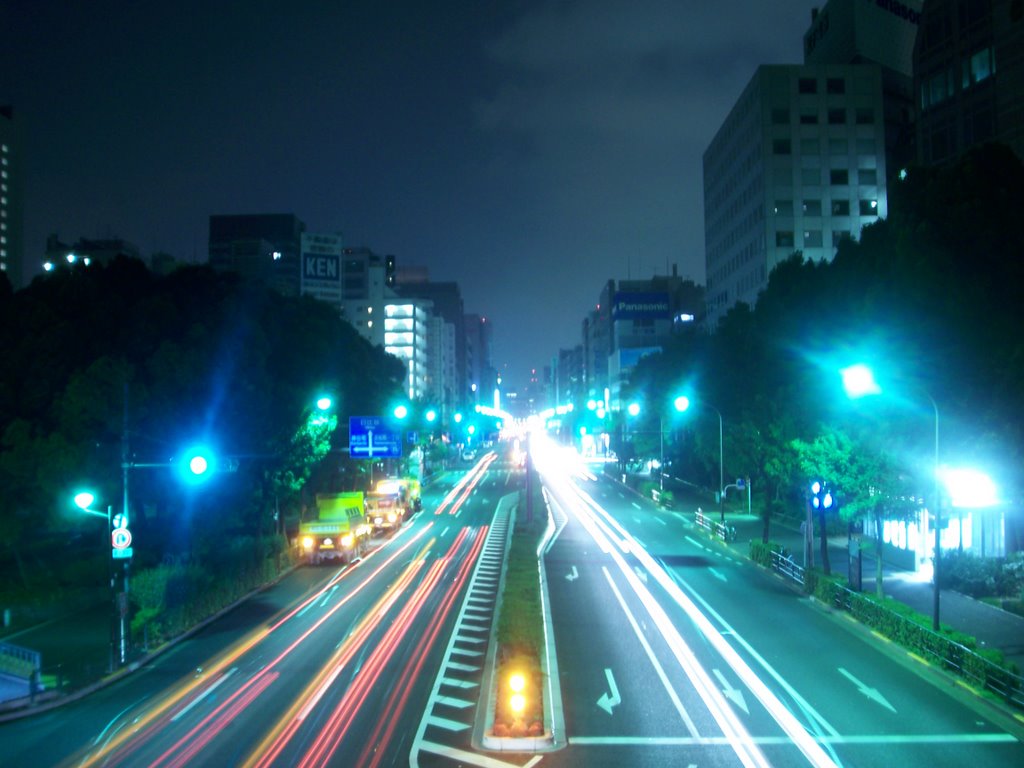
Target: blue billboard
<point>640,305</point>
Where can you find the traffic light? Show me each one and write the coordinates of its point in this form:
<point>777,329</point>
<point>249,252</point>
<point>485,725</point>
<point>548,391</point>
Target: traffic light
<point>197,464</point>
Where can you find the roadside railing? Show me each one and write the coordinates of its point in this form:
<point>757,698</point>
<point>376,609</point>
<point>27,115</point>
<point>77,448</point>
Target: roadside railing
<point>782,562</point>
<point>715,528</point>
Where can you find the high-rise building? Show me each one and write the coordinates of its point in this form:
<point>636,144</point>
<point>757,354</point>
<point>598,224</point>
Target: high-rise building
<point>882,33</point>
<point>969,77</point>
<point>261,246</point>
<point>11,200</point>
<point>483,378</point>
<point>412,282</point>
<point>798,164</point>
<point>406,336</point>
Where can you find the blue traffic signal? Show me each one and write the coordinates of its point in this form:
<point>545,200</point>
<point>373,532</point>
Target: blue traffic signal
<point>197,464</point>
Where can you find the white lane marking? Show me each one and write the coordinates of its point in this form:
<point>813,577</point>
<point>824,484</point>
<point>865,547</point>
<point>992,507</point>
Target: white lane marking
<point>204,694</point>
<point>448,725</point>
<point>451,701</point>
<point>635,505</point>
<point>611,698</point>
<point>573,575</point>
<point>723,741</point>
<point>690,725</point>
<point>659,520</point>
<point>872,693</point>
<point>735,695</point>
<point>720,576</point>
<point>472,758</point>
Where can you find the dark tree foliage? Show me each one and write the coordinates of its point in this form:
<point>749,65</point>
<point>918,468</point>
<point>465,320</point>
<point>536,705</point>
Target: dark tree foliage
<point>96,354</point>
<point>933,293</point>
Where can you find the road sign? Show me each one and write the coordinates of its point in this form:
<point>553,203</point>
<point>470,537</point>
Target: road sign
<point>121,538</point>
<point>370,437</point>
<point>121,554</point>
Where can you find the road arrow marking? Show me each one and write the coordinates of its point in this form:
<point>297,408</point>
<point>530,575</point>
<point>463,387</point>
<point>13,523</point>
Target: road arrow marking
<point>717,575</point>
<point>607,702</point>
<point>871,693</point>
<point>735,695</point>
<point>572,576</point>
<point>641,573</point>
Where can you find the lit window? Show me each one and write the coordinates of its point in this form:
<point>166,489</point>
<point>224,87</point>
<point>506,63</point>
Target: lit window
<point>812,238</point>
<point>5,149</point>
<point>868,207</point>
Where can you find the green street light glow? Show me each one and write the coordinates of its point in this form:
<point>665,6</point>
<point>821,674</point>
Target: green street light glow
<point>431,415</point>
<point>859,381</point>
<point>84,500</point>
<point>401,411</point>
<point>633,409</point>
<point>681,403</point>
<point>969,488</point>
<point>324,403</point>
<point>458,418</point>
<point>197,465</point>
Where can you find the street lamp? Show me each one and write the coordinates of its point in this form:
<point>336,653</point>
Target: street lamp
<point>682,403</point>
<point>859,381</point>
<point>83,501</point>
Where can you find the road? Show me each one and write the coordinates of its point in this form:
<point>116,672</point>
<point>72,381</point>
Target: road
<point>673,652</point>
<point>333,666</point>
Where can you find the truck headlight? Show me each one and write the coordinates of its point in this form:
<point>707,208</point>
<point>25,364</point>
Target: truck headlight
<point>307,542</point>
<point>392,517</point>
<point>346,540</point>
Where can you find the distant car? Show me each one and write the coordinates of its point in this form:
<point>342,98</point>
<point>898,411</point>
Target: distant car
<point>469,455</point>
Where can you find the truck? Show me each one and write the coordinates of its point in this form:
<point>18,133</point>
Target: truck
<point>388,504</point>
<point>340,530</point>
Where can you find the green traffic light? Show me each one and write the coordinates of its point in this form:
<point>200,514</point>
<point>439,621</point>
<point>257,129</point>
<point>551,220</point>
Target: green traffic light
<point>401,411</point>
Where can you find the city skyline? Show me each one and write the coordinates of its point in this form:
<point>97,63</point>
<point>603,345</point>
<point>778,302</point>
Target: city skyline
<point>474,141</point>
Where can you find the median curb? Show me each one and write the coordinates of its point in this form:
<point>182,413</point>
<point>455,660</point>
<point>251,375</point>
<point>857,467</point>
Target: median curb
<point>553,737</point>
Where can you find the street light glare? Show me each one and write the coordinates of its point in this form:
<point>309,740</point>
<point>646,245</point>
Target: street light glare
<point>859,381</point>
<point>324,403</point>
<point>401,412</point>
<point>633,409</point>
<point>682,403</point>
<point>969,488</point>
<point>84,500</point>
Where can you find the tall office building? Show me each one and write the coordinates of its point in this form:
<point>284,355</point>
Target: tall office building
<point>797,165</point>
<point>882,33</point>
<point>11,201</point>
<point>261,246</point>
<point>969,77</point>
<point>483,378</point>
<point>407,337</point>
<point>412,282</point>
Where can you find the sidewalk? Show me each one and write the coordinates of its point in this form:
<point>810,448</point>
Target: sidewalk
<point>991,626</point>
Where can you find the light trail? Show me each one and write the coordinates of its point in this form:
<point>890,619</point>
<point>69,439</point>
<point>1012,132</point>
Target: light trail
<point>333,731</point>
<point>127,743</point>
<point>400,694</point>
<point>466,485</point>
<point>603,528</point>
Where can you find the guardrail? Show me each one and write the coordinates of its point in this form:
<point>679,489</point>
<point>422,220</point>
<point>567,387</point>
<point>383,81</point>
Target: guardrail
<point>783,563</point>
<point>715,528</point>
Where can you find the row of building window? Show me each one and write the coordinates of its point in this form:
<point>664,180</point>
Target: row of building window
<point>974,69</point>
<point>837,146</point>
<point>835,86</point>
<point>834,116</point>
<point>812,238</point>
<point>838,207</point>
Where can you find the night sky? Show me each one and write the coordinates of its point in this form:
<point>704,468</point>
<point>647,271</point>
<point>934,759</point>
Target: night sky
<point>528,150</point>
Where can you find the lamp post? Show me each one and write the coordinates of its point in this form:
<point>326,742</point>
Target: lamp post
<point>859,381</point>
<point>83,501</point>
<point>682,403</point>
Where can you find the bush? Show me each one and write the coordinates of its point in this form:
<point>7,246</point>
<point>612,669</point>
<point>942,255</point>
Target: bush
<point>982,576</point>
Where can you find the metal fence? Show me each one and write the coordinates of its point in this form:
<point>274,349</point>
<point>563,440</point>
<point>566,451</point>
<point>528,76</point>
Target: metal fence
<point>949,654</point>
<point>715,528</point>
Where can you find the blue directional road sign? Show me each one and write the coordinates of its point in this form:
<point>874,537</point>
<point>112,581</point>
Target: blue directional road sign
<point>369,437</point>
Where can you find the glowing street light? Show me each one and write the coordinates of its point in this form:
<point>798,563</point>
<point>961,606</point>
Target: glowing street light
<point>859,381</point>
